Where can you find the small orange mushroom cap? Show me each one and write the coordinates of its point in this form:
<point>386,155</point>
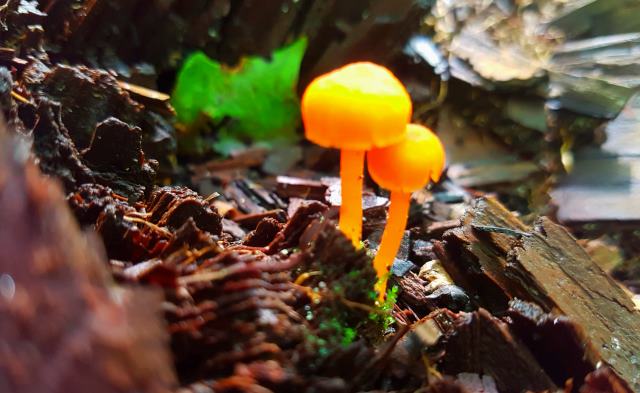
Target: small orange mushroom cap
<point>407,166</point>
<point>357,107</point>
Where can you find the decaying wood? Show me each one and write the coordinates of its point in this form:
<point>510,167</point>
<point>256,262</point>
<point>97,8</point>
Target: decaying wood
<point>478,340</point>
<point>227,30</point>
<point>494,255</point>
<point>63,326</point>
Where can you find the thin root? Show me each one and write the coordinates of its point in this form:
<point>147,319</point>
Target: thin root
<point>149,224</point>
<point>305,276</point>
<point>195,254</point>
<point>201,277</point>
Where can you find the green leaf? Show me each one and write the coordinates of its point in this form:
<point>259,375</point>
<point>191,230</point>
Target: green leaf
<point>258,98</point>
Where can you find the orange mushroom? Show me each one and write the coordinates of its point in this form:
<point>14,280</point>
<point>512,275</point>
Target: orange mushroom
<point>355,108</point>
<point>402,168</point>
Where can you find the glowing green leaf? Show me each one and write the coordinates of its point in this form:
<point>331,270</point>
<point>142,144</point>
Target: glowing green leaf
<point>257,99</point>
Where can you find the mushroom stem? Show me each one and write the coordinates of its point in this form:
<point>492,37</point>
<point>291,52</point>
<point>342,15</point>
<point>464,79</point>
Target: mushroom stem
<point>351,174</point>
<point>391,239</point>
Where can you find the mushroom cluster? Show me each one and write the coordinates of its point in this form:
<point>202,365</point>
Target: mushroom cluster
<point>355,108</point>
<point>363,108</point>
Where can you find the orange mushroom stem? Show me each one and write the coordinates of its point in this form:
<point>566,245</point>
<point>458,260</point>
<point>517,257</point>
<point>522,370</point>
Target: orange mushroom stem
<point>402,168</point>
<point>355,108</point>
<point>351,170</point>
<point>391,238</point>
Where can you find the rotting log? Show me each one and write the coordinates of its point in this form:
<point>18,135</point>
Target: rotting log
<point>496,257</point>
<point>64,327</point>
<point>337,31</point>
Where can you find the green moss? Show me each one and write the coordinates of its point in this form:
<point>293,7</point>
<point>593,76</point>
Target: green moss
<point>330,335</point>
<point>383,315</point>
<point>348,309</point>
<point>339,332</point>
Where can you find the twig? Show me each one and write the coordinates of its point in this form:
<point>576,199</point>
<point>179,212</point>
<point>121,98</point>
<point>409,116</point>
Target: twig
<point>20,98</point>
<point>305,276</point>
<point>145,92</point>
<point>119,197</point>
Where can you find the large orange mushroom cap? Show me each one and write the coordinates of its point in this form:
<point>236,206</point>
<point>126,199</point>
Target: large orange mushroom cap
<point>407,166</point>
<point>357,107</point>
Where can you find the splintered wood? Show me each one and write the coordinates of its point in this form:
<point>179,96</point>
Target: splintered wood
<point>494,255</point>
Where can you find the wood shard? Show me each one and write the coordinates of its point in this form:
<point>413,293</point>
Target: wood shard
<point>481,343</point>
<point>548,268</point>
<point>144,92</point>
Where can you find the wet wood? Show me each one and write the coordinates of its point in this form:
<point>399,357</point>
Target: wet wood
<point>480,344</point>
<point>605,182</point>
<point>494,254</point>
<point>294,187</point>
